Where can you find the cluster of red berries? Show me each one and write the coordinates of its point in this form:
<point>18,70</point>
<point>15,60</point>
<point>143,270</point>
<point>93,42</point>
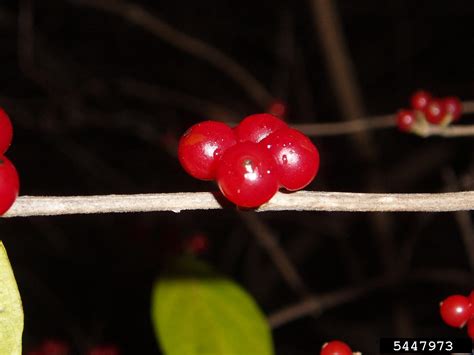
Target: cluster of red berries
<point>9,182</point>
<point>59,347</point>
<point>457,311</point>
<point>335,347</point>
<point>251,161</point>
<point>426,109</point>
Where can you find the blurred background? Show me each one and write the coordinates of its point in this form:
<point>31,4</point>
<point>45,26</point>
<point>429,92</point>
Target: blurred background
<point>100,91</point>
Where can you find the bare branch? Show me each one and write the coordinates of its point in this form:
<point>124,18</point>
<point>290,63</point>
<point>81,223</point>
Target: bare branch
<point>298,201</point>
<point>321,303</point>
<point>281,260</point>
<point>383,122</point>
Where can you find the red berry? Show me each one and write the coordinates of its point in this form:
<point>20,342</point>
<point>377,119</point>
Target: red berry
<point>54,347</point>
<point>247,174</point>
<point>201,147</point>
<point>453,106</point>
<point>197,244</point>
<point>256,127</point>
<point>104,350</point>
<point>420,100</point>
<point>296,156</point>
<point>9,184</point>
<point>470,328</point>
<point>455,311</point>
<point>277,108</point>
<point>405,120</point>
<point>336,347</point>
<point>435,111</point>
<point>6,131</point>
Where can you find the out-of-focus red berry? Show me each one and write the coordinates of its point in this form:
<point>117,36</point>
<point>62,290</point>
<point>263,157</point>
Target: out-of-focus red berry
<point>104,350</point>
<point>197,244</point>
<point>55,347</point>
<point>277,108</point>
<point>435,111</point>
<point>420,100</point>
<point>405,120</point>
<point>453,106</point>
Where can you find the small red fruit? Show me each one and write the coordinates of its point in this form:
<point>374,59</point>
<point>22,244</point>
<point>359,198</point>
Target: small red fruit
<point>296,156</point>
<point>336,347</point>
<point>201,147</point>
<point>256,127</point>
<point>247,174</point>
<point>455,310</point>
<point>197,244</point>
<point>54,347</point>
<point>453,106</point>
<point>6,132</point>
<point>277,108</point>
<point>405,120</point>
<point>435,111</point>
<point>104,350</point>
<point>420,100</point>
<point>9,184</point>
<point>470,328</point>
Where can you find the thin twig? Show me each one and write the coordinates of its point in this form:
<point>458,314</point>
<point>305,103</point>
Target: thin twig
<point>298,201</point>
<point>139,16</point>
<point>384,122</point>
<point>322,303</point>
<point>317,305</point>
<point>155,93</point>
<point>347,127</point>
<point>328,26</point>
<point>276,252</point>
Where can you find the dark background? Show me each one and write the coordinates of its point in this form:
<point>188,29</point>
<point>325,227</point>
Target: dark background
<point>82,128</point>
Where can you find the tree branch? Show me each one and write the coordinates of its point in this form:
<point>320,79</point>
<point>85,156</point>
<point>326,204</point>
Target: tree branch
<point>383,122</point>
<point>299,201</point>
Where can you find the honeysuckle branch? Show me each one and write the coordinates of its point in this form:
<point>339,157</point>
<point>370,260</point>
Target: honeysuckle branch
<point>316,305</point>
<point>137,15</point>
<point>298,201</point>
<point>281,260</point>
<point>384,122</point>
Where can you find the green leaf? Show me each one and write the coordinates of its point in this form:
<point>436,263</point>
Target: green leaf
<point>196,311</point>
<point>11,311</point>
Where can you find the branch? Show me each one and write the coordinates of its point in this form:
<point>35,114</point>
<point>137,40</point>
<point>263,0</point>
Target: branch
<point>383,122</point>
<point>318,304</point>
<point>134,13</point>
<point>299,201</point>
<point>281,260</point>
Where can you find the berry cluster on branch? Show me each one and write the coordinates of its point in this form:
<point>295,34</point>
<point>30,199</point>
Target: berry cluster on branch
<point>427,111</point>
<point>251,161</point>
